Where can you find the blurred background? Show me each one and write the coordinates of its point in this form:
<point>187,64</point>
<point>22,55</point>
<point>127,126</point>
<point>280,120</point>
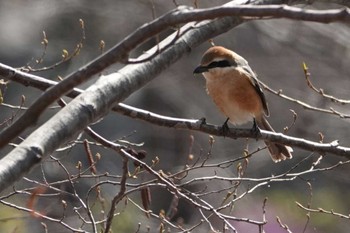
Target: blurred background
<point>275,50</point>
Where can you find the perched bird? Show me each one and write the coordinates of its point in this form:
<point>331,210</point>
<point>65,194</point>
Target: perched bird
<point>234,87</point>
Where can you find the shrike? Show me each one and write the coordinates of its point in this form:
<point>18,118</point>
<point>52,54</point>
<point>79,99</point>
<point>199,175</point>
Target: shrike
<point>234,87</point>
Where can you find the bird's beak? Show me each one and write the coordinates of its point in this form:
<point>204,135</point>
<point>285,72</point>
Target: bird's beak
<point>200,69</point>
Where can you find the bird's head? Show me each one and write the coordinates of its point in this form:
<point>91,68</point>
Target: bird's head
<point>218,59</point>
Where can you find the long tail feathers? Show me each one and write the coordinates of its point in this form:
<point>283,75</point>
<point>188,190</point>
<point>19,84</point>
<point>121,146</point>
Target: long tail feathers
<point>277,151</point>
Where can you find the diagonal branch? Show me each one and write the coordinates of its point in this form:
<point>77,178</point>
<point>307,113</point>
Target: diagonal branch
<point>320,210</point>
<point>320,91</point>
<point>302,103</point>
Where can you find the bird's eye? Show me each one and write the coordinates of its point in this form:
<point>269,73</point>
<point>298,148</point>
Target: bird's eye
<point>223,63</point>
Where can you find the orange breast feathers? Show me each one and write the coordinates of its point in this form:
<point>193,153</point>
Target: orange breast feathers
<point>234,94</point>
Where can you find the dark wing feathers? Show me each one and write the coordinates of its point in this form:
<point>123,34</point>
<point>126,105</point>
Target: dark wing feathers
<point>257,87</point>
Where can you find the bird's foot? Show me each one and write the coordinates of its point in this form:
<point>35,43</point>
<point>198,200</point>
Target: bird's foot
<point>255,129</point>
<point>203,121</point>
<point>224,128</point>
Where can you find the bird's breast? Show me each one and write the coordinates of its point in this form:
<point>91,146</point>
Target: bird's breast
<point>235,96</point>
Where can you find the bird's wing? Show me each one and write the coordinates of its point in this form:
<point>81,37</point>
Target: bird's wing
<point>253,79</point>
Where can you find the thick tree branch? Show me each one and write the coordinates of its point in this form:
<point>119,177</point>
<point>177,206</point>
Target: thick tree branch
<point>199,125</point>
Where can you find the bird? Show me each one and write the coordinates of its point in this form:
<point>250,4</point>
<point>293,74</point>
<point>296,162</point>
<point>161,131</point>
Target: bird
<point>235,89</point>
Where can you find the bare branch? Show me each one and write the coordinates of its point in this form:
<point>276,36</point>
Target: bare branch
<point>172,187</point>
<point>261,227</point>
<point>119,196</point>
<point>303,104</point>
<point>323,211</point>
<point>284,226</point>
<point>320,90</point>
<point>65,56</point>
<point>66,225</point>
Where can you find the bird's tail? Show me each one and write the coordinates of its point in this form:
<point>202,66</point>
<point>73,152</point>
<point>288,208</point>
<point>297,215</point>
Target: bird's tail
<point>278,151</point>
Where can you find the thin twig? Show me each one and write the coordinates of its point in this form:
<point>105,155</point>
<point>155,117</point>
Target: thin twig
<point>119,196</point>
<point>76,195</point>
<point>308,216</point>
<point>304,104</point>
<point>284,226</point>
<point>320,90</point>
<point>66,225</point>
<point>65,54</point>
<point>261,227</point>
<point>323,211</point>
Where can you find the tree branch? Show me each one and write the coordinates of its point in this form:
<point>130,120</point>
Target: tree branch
<point>119,196</point>
<point>323,211</point>
<point>304,104</point>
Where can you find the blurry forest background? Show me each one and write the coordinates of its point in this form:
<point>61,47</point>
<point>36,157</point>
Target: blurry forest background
<point>275,50</point>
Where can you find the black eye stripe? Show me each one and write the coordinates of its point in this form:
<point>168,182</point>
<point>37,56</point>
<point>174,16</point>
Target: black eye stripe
<point>223,63</point>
